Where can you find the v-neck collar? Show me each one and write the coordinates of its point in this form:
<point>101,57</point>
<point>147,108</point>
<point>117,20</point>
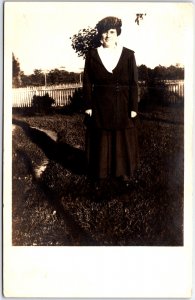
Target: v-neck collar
<point>100,61</point>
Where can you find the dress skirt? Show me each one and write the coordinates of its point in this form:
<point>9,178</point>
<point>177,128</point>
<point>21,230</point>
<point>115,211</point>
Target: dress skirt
<point>111,153</point>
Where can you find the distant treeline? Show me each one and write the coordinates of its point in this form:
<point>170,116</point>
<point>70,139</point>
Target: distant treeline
<point>160,73</point>
<point>53,77</point>
<point>56,76</point>
<point>41,77</point>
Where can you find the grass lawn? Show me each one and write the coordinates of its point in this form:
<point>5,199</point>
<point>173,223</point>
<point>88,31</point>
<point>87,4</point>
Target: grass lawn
<point>60,205</point>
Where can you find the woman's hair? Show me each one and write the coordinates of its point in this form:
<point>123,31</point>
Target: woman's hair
<point>109,23</point>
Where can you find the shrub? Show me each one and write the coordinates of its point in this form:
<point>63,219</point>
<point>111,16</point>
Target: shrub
<point>154,93</point>
<point>42,104</point>
<point>76,101</point>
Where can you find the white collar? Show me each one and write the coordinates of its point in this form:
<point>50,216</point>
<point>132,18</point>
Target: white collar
<point>110,56</point>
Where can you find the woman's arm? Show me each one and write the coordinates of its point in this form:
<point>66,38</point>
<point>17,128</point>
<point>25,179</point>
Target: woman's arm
<point>87,86</point>
<point>133,87</point>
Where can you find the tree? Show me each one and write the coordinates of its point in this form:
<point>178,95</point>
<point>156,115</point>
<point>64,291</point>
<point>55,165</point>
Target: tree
<point>53,77</point>
<point>37,78</point>
<point>56,77</point>
<point>84,40</point>
<point>175,72</point>
<point>25,80</point>
<point>159,73</point>
<point>16,80</point>
<point>143,73</point>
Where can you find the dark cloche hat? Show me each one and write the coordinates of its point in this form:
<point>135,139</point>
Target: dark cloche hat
<point>109,23</point>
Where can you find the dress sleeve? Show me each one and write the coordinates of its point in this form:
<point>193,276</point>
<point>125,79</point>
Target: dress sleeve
<point>133,85</point>
<point>87,84</point>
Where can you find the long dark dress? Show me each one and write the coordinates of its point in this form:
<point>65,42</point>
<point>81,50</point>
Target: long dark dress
<point>111,137</point>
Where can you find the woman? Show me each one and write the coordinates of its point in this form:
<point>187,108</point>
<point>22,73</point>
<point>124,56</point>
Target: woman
<point>110,88</point>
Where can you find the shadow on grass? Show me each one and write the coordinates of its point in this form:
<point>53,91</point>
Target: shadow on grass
<point>69,157</point>
<point>60,153</point>
<point>149,213</point>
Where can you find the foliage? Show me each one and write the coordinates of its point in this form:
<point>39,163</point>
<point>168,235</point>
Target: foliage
<point>160,73</point>
<point>53,77</point>
<point>26,80</point>
<point>153,89</point>
<point>84,40</point>
<point>15,71</point>
<point>143,73</point>
<point>57,76</point>
<point>37,78</point>
<point>155,94</point>
<point>139,17</point>
<point>42,104</point>
<point>77,101</point>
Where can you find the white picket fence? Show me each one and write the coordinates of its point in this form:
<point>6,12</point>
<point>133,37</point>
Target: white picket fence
<point>176,86</point>
<point>22,97</point>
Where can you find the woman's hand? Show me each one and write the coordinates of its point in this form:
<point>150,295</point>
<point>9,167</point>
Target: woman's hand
<point>89,112</point>
<point>133,114</point>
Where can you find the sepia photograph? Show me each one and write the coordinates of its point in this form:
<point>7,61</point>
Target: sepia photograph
<point>98,123</point>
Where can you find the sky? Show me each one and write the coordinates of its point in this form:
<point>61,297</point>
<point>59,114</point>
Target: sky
<point>38,33</point>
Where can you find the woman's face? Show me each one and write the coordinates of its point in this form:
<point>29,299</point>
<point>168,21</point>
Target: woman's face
<point>109,38</point>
